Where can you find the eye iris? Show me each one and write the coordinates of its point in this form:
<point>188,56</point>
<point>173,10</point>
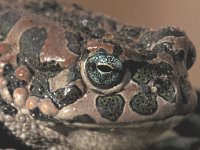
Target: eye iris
<point>104,70</point>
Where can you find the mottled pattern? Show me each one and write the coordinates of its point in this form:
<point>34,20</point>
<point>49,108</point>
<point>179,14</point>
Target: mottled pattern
<point>144,103</point>
<point>149,72</point>
<point>110,107</point>
<point>74,79</point>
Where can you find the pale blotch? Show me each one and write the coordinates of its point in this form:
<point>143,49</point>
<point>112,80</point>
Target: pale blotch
<point>20,96</point>
<point>23,73</point>
<point>47,107</point>
<point>32,102</point>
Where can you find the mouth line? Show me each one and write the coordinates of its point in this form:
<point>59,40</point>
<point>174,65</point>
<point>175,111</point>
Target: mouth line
<point>170,122</point>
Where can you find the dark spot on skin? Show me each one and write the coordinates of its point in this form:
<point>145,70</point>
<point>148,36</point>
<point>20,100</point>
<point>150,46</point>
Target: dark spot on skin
<point>91,26</point>
<point>74,74</point>
<point>13,82</point>
<point>144,88</point>
<point>129,33</point>
<point>51,66</point>
<point>144,103</point>
<point>98,33</point>
<point>133,66</point>
<point>110,107</point>
<point>117,50</point>
<point>69,19</point>
<point>6,108</point>
<point>83,119</point>
<point>171,31</point>
<point>39,87</point>
<point>31,43</point>
<point>65,96</point>
<point>84,54</point>
<point>166,89</point>
<point>86,24</point>
<point>147,72</point>
<point>7,21</point>
<point>7,69</point>
<point>180,55</point>
<point>75,42</point>
<point>43,7</point>
<point>37,114</point>
<point>185,89</point>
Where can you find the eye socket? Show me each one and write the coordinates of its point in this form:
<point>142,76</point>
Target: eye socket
<point>104,70</point>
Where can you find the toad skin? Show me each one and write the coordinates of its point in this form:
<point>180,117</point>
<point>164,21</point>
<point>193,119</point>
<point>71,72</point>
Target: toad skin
<point>74,79</point>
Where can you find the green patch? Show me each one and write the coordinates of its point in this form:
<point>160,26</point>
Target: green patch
<point>148,72</point>
<point>166,89</point>
<point>110,107</point>
<point>144,103</point>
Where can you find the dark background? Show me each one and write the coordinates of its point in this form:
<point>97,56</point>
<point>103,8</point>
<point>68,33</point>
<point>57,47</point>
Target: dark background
<point>153,14</point>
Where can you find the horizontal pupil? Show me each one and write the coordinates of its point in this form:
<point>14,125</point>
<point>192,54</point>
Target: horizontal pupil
<point>104,68</point>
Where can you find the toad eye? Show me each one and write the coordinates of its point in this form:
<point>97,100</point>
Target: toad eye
<point>104,70</point>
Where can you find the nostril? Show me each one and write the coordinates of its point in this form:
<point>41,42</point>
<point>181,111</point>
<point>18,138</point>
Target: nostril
<point>104,68</point>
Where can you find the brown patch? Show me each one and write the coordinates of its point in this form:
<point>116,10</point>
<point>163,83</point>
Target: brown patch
<point>94,45</point>
<point>55,48</point>
<point>55,45</point>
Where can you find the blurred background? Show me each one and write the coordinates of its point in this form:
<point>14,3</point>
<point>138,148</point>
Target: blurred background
<point>153,14</point>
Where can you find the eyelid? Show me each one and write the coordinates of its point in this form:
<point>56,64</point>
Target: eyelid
<point>103,70</point>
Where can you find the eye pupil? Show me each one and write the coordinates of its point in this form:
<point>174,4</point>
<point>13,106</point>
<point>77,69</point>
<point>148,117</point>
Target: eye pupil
<point>104,68</point>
